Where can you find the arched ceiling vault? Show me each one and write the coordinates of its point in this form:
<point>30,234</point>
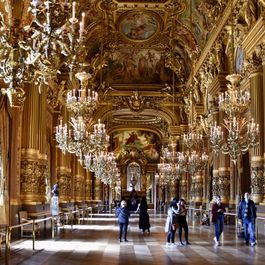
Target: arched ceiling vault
<point>141,55</point>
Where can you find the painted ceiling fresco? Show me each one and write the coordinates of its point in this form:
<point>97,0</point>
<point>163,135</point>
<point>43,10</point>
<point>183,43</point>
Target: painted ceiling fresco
<point>199,19</point>
<point>138,66</point>
<point>139,26</point>
<point>136,143</point>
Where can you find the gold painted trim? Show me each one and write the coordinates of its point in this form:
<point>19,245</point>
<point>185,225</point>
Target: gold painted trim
<point>224,168</point>
<point>257,159</point>
<point>30,151</point>
<point>15,202</point>
<point>25,202</point>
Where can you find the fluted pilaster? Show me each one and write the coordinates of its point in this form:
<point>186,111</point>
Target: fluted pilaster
<point>88,186</point>
<point>197,183</point>
<point>33,173</point>
<point>98,192</point>
<point>257,154</point>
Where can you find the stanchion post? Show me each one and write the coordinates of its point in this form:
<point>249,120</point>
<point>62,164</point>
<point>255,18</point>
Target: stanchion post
<point>52,220</point>
<point>8,240</point>
<point>33,235</point>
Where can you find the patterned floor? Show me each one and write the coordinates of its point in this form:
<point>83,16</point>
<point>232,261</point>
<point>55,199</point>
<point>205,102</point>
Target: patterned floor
<point>96,243</point>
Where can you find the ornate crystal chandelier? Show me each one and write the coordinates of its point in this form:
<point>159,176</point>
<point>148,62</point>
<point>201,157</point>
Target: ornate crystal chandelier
<point>193,158</point>
<point>234,100</point>
<point>12,68</point>
<point>171,166</point>
<point>99,140</point>
<point>52,37</point>
<point>82,101</point>
<point>75,139</point>
<point>241,134</point>
<point>196,161</point>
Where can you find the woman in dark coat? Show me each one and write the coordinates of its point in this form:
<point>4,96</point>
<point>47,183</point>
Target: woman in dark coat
<point>144,221</point>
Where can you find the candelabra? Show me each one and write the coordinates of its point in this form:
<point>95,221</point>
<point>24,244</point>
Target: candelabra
<point>82,101</point>
<point>241,133</point>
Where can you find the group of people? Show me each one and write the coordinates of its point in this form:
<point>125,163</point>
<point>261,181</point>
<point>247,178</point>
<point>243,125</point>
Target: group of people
<point>123,214</point>
<point>176,220</point>
<point>246,214</point>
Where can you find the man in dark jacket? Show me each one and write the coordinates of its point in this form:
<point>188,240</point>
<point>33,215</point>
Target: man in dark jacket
<point>247,214</point>
<point>123,219</point>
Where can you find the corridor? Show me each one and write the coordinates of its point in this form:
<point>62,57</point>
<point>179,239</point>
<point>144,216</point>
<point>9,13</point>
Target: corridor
<point>96,243</point>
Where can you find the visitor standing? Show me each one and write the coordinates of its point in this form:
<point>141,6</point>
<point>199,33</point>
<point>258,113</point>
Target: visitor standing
<point>144,220</point>
<point>247,213</point>
<point>123,214</point>
<point>218,210</point>
<point>172,223</point>
<point>183,222</point>
<point>55,200</point>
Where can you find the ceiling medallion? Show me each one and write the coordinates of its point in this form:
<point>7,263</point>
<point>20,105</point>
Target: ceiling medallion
<point>139,26</point>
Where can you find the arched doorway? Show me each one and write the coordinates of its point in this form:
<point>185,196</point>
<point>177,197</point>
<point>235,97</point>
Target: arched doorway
<point>133,176</point>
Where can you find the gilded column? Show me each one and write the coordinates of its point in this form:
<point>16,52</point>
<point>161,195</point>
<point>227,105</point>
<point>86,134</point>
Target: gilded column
<point>98,192</point>
<point>263,111</point>
<point>32,181</point>
<point>15,162</point>
<point>215,180</point>
<point>224,170</point>
<point>183,187</point>
<point>253,45</point>
<point>64,178</point>
<point>197,181</point>
<point>63,170</point>
<point>257,154</point>
<point>173,190</point>
<point>79,186</point>
<point>43,163</point>
<point>88,186</point>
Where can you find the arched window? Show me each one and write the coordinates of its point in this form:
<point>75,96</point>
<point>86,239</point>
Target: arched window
<point>133,176</point>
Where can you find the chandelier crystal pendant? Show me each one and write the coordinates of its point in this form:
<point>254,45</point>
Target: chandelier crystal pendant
<point>82,101</point>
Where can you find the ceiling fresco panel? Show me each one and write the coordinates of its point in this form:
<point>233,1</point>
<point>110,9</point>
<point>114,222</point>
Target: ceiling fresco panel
<point>138,67</point>
<point>136,143</point>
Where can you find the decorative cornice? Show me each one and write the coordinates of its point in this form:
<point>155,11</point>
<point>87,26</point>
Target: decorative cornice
<point>214,35</point>
<point>255,37</point>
